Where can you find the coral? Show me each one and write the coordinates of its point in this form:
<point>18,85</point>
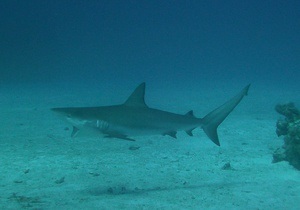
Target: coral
<point>288,110</point>
<point>290,129</point>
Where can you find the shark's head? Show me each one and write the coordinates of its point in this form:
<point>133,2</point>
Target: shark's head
<point>81,120</point>
<point>71,115</point>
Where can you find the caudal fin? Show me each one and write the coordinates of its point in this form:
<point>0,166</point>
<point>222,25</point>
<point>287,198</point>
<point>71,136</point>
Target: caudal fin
<point>213,119</point>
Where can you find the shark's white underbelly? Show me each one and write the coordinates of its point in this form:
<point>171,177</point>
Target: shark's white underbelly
<point>140,130</point>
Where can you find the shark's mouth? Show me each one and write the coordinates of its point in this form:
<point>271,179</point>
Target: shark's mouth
<point>75,121</point>
<point>100,125</point>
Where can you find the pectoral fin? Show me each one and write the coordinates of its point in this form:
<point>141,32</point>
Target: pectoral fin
<point>118,136</point>
<point>74,131</point>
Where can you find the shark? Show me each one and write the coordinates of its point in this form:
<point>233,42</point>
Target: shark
<point>135,118</point>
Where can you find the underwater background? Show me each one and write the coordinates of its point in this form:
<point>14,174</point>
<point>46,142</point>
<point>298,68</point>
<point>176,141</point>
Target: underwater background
<point>174,42</point>
<point>192,55</point>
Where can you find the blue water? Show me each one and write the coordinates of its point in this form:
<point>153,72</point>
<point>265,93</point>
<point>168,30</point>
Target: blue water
<point>192,55</point>
<point>153,41</point>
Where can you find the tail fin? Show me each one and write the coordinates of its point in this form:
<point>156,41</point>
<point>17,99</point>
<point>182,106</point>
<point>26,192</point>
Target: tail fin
<point>213,119</point>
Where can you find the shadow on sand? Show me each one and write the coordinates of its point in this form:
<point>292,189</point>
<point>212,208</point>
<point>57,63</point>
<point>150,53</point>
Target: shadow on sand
<point>123,190</point>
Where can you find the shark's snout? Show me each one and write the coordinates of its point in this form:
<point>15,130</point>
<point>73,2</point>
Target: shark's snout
<point>56,109</point>
<point>69,115</point>
<point>61,112</point>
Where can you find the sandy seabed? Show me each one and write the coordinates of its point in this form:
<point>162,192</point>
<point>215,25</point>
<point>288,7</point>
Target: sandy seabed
<point>42,167</point>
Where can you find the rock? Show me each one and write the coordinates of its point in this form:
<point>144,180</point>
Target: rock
<point>282,127</point>
<point>290,129</point>
<point>288,110</point>
<point>279,155</point>
<point>227,166</point>
<point>60,181</point>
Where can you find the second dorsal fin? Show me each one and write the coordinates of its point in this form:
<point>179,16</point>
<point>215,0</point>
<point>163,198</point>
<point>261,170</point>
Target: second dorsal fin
<point>190,113</point>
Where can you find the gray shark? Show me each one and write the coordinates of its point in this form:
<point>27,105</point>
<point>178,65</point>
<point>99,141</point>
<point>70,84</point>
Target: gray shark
<point>135,118</point>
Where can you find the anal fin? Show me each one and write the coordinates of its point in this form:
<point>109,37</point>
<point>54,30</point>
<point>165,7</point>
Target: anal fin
<point>189,132</point>
<point>190,114</point>
<point>172,134</point>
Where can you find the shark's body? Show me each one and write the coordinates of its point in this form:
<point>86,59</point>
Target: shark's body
<point>135,118</point>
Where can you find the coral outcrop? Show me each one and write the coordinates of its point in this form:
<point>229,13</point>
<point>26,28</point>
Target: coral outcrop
<point>289,127</point>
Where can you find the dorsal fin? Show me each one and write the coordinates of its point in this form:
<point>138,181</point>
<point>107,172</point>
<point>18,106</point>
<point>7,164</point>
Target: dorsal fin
<point>137,97</point>
<point>190,113</point>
